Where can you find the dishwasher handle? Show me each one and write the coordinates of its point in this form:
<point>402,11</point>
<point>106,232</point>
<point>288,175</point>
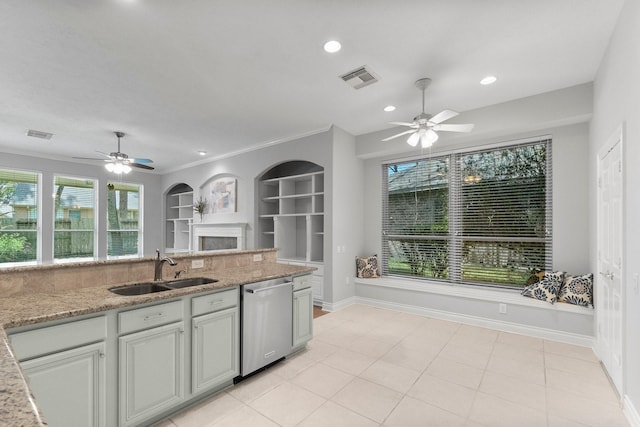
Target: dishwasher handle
<point>267,288</point>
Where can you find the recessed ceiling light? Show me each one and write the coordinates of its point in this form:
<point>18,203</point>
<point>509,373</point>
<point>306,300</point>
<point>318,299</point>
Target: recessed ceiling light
<point>332,46</point>
<point>202,153</point>
<point>389,108</point>
<point>488,80</point>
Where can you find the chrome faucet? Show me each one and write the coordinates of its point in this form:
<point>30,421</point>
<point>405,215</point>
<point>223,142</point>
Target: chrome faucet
<point>157,275</point>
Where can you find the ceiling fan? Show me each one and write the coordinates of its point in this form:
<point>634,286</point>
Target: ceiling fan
<point>424,126</point>
<point>119,162</point>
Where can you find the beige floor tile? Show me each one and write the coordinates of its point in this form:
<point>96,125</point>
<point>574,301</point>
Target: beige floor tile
<point>455,372</point>
<point>256,386</point>
<point>514,390</point>
<point>292,366</point>
<point>287,404</point>
<point>349,361</point>
<point>592,388</point>
<point>207,412</point>
<point>395,377</point>
<point>368,399</point>
<point>570,350</point>
<point>413,412</point>
<point>472,354</point>
<point>475,334</point>
<point>493,411</point>
<point>555,421</point>
<point>323,380</point>
<point>319,350</point>
<point>519,354</point>
<point>370,346</point>
<point>582,368</point>
<point>521,341</point>
<point>577,408</point>
<point>451,397</point>
<point>165,423</point>
<point>334,415</point>
<point>410,358</point>
<point>245,416</point>
<point>514,368</point>
<point>337,336</point>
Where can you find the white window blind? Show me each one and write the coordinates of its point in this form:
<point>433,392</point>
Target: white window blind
<point>19,235</point>
<point>480,217</point>
<point>74,224</point>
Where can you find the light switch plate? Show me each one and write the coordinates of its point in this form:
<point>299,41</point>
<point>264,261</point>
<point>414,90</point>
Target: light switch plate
<point>257,257</point>
<point>197,263</point>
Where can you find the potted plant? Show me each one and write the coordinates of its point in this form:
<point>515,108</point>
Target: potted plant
<point>200,206</point>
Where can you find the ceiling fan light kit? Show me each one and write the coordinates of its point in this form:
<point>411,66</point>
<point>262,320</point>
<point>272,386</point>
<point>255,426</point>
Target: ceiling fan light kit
<point>424,126</point>
<point>118,162</point>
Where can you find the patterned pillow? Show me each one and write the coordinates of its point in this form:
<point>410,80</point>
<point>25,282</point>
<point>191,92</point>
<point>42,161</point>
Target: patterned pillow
<point>367,267</point>
<point>547,288</point>
<point>577,290</point>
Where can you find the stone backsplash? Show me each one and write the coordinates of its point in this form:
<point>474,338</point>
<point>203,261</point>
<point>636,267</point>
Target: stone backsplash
<point>59,277</point>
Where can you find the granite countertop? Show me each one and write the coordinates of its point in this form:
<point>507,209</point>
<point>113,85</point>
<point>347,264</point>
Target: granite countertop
<point>17,407</point>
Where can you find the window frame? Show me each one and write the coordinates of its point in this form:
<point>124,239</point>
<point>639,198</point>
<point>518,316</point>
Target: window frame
<point>95,220</point>
<point>139,229</point>
<point>454,237</point>
<point>38,218</point>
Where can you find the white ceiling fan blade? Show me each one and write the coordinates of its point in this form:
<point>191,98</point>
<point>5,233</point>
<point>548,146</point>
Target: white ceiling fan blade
<point>442,116</point>
<point>454,127</point>
<point>413,125</point>
<point>399,134</point>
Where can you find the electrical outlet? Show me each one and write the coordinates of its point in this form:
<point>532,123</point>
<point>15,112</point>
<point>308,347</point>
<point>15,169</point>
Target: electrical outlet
<point>257,257</point>
<point>197,263</point>
<point>502,308</point>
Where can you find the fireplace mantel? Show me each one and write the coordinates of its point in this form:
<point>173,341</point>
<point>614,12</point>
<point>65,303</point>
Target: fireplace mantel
<point>219,233</point>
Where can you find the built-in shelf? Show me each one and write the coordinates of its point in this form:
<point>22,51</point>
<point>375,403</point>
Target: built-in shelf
<point>179,216</point>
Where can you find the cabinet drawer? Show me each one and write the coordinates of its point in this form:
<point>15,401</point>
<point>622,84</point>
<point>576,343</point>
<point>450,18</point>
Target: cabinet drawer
<point>50,339</point>
<point>301,282</point>
<point>214,302</point>
<point>149,317</point>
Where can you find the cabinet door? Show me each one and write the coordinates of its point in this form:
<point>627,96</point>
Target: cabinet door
<point>69,386</point>
<point>215,349</point>
<point>151,372</point>
<point>302,317</point>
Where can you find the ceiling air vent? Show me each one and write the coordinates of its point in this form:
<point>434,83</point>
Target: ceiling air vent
<point>39,134</point>
<point>360,77</point>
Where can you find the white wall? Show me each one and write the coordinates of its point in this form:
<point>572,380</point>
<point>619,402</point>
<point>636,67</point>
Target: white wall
<point>152,208</point>
<point>617,103</point>
<point>346,215</point>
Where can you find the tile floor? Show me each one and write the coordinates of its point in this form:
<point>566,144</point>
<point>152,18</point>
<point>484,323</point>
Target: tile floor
<point>368,366</point>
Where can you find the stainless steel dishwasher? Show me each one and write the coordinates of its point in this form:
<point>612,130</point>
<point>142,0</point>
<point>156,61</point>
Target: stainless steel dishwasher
<point>266,323</point>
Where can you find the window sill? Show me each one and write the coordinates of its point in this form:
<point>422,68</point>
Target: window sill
<point>506,296</point>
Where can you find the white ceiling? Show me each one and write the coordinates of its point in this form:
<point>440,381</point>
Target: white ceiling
<point>224,76</point>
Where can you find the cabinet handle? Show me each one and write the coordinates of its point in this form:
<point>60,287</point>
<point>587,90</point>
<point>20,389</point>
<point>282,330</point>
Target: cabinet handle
<point>101,355</point>
<point>153,317</point>
<point>216,302</point>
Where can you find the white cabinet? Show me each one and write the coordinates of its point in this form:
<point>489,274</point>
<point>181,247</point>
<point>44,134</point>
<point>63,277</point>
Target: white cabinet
<point>215,342</point>
<point>179,216</point>
<point>302,312</point>
<point>65,366</point>
<point>69,386</point>
<point>151,362</point>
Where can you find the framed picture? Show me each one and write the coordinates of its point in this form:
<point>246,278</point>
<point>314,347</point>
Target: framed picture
<point>223,195</point>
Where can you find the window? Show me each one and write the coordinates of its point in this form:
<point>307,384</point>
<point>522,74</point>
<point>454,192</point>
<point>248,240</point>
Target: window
<point>74,227</point>
<point>481,217</point>
<point>124,220</point>
<point>19,200</point>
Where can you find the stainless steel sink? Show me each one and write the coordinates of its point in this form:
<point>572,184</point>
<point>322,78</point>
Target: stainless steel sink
<point>185,283</point>
<point>151,287</point>
<point>139,289</point>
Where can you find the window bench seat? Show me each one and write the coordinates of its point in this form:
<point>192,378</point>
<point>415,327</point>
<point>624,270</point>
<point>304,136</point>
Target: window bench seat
<point>481,307</point>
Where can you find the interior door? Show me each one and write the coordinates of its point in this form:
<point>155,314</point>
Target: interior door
<point>608,281</point>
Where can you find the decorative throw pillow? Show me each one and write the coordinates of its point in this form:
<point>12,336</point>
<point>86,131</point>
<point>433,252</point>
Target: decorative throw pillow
<point>547,288</point>
<point>536,276</point>
<point>367,267</point>
<point>577,290</point>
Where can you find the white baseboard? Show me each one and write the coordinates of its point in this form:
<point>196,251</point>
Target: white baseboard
<point>630,412</point>
<point>549,334</point>
<point>328,306</point>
